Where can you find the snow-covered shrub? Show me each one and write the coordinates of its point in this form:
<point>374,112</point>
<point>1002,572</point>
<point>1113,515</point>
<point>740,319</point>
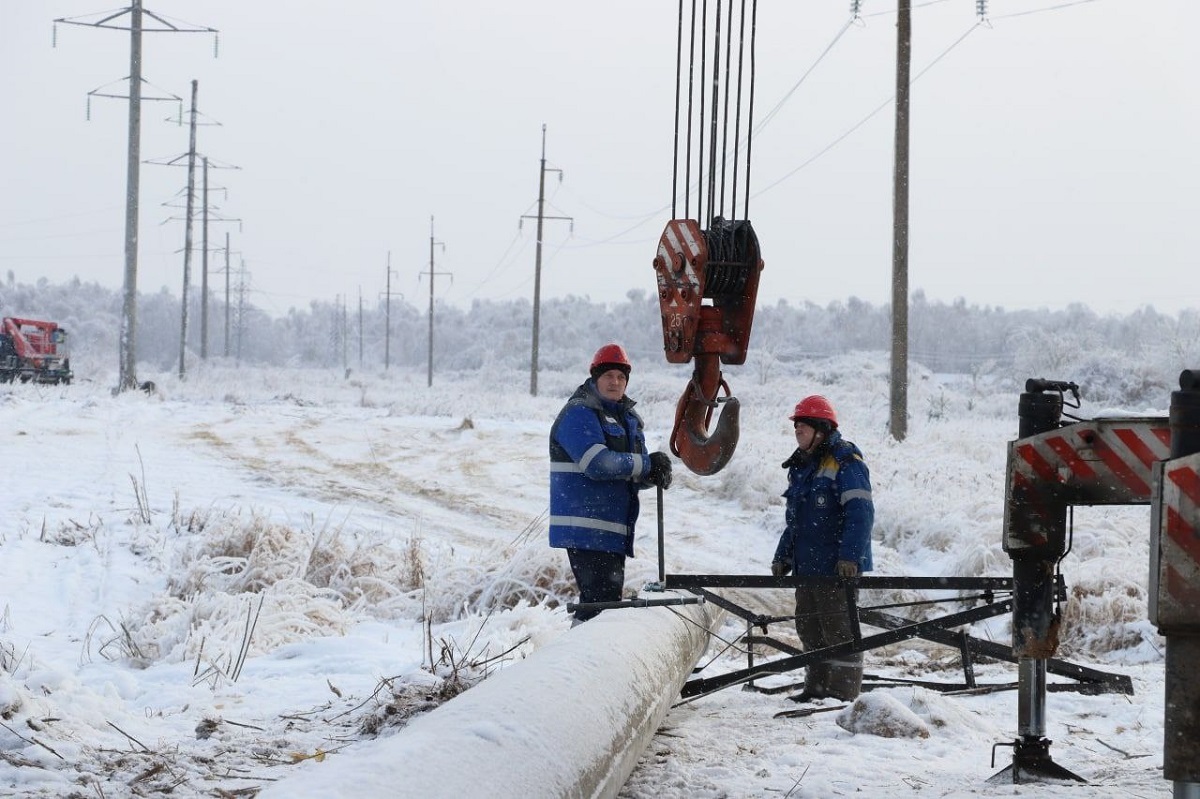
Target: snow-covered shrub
<point>526,573</point>
<point>1108,379</point>
<point>1104,611</point>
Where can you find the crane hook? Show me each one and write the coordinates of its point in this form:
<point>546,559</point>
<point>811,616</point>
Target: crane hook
<point>703,452</point>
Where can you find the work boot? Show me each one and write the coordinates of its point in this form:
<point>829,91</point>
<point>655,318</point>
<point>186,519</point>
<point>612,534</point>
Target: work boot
<point>845,680</point>
<point>817,678</point>
<point>807,695</point>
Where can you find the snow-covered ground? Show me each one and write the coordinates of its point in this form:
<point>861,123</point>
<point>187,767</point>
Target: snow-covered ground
<point>232,581</point>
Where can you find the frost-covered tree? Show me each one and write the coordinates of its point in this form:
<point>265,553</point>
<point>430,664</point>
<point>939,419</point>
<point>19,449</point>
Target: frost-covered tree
<point>1117,359</point>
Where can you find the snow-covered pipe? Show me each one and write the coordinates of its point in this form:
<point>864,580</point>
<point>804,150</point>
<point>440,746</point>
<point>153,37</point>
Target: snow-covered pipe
<point>569,721</point>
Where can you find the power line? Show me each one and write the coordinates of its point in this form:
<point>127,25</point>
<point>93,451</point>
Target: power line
<point>886,103</point>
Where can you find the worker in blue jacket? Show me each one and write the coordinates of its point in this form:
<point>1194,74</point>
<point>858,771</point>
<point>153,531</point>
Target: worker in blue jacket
<point>827,533</point>
<point>598,463</point>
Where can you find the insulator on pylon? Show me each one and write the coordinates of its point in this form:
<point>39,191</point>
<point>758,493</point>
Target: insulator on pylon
<point>855,7</point>
<point>981,8</point>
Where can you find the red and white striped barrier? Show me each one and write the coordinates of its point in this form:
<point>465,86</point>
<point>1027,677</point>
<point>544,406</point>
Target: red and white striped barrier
<point>1175,546</point>
<point>1099,462</point>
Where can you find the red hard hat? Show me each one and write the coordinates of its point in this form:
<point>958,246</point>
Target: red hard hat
<point>815,407</point>
<point>610,356</point>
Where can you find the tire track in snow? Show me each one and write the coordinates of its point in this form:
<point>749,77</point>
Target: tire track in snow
<point>390,466</point>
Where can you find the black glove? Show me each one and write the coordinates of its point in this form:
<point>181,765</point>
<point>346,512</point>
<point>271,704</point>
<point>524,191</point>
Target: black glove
<point>660,470</point>
<point>780,568</point>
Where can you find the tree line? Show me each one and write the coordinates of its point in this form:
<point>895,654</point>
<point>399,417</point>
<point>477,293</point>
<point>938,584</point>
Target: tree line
<point>1124,358</point>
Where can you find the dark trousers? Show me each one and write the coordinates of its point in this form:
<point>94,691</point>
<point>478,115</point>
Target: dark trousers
<point>823,619</point>
<point>599,575</point>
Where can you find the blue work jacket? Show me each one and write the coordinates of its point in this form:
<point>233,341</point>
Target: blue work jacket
<point>598,463</point>
<point>829,509</point>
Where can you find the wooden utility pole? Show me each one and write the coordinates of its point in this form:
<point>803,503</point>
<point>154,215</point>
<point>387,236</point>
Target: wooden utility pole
<point>432,245</point>
<point>537,265</point>
<point>899,373</point>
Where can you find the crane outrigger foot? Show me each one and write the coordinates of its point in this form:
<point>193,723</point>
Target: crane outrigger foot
<point>1031,763</point>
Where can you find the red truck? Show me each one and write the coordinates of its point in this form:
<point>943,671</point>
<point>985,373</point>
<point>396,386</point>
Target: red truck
<point>33,350</point>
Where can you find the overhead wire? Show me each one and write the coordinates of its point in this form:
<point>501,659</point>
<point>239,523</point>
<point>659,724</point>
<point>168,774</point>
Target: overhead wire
<point>770,115</point>
<point>755,130</point>
<point>870,115</point>
<point>500,266</point>
<point>10,223</point>
<point>889,100</point>
<point>1058,7</point>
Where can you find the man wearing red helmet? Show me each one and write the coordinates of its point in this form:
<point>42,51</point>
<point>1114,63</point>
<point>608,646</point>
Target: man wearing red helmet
<point>598,463</point>
<point>827,533</point>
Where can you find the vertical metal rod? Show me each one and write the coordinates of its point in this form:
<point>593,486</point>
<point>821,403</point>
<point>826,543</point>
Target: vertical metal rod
<point>1031,698</point>
<point>662,568</point>
<point>749,656</point>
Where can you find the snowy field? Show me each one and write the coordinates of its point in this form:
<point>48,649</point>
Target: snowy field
<point>224,585</point>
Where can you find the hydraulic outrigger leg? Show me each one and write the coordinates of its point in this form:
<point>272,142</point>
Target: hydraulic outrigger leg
<point>1035,532</point>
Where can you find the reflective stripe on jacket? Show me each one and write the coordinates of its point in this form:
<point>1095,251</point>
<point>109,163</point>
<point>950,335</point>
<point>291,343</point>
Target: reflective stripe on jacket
<point>598,463</point>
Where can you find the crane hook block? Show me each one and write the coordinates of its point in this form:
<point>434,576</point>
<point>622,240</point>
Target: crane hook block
<point>721,266</point>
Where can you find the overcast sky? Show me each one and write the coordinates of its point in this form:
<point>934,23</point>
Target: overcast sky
<point>1053,148</point>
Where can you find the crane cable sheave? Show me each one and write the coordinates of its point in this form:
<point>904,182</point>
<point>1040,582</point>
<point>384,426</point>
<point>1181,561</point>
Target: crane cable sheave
<point>721,265</point>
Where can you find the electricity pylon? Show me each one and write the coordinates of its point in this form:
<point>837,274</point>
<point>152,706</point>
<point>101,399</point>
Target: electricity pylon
<point>136,26</point>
